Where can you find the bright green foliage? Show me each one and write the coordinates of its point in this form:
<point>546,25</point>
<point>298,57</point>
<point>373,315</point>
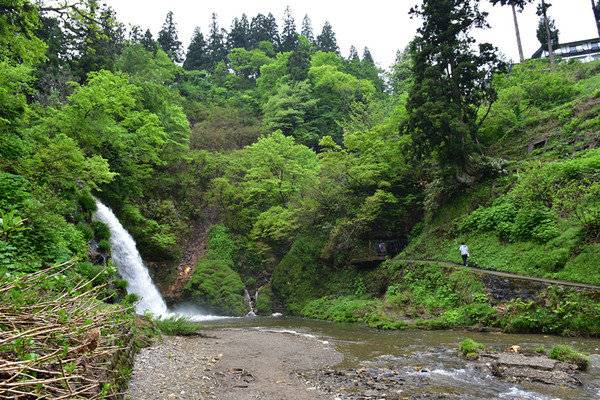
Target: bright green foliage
<point>264,301</point>
<point>215,283</point>
<point>270,173</point>
<point>470,349</point>
<point>568,354</point>
<point>177,326</point>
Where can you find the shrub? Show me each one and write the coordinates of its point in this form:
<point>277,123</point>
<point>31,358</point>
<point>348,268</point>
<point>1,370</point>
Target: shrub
<point>101,231</point>
<point>568,354</point>
<point>177,326</point>
<point>470,349</point>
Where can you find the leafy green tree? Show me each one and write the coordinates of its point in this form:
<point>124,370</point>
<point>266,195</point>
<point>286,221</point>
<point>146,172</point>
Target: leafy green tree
<point>197,54</point>
<point>239,34</point>
<point>451,81</point>
<point>546,32</point>
<point>246,64</point>
<point>401,78</point>
<point>289,35</point>
<point>217,50</point>
<point>338,93</point>
<point>326,41</point>
<point>271,172</point>
<point>19,21</point>
<point>307,29</point>
<point>292,110</point>
<point>169,40</point>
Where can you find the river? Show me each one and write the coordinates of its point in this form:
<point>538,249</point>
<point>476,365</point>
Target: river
<point>425,362</point>
<point>428,360</point>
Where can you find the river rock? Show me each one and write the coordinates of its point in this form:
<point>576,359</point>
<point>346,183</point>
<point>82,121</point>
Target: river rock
<point>515,367</point>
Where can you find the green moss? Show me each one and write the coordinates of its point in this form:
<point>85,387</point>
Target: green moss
<point>470,349</point>
<point>569,354</point>
<point>264,301</point>
<point>351,309</point>
<point>215,283</point>
<point>295,279</point>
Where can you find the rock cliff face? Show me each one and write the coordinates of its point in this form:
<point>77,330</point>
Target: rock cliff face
<point>504,289</point>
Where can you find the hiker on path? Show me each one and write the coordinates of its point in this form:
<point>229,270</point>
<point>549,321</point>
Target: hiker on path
<point>464,252</point>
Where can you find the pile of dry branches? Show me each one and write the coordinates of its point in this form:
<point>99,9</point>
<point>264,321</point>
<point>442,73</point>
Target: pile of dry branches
<point>58,345</point>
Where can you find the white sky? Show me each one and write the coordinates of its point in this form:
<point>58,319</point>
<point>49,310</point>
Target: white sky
<point>382,25</point>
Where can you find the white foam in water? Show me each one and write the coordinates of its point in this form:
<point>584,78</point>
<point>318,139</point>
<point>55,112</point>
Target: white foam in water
<point>131,268</point>
<point>519,394</point>
<point>292,332</point>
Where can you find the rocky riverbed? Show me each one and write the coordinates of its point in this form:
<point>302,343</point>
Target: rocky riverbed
<point>232,364</point>
<point>304,359</point>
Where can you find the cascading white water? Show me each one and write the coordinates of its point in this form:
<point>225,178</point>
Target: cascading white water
<point>131,267</point>
<point>130,264</point>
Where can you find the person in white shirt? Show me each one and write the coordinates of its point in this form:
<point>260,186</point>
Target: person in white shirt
<point>464,252</point>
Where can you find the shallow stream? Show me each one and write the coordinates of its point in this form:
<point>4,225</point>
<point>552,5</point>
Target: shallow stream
<point>428,361</point>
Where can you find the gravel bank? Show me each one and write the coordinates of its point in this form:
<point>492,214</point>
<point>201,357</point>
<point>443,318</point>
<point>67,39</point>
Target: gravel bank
<point>233,365</point>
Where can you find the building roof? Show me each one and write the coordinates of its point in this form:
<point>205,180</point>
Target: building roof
<point>540,51</point>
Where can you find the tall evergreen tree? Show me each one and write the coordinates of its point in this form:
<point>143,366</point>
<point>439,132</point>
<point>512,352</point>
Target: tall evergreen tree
<point>99,39</point>
<point>547,33</point>
<point>168,39</point>
<point>326,41</point>
<point>135,34</point>
<point>299,60</point>
<point>452,81</point>
<point>307,30</point>
<point>197,54</point>
<point>367,57</point>
<point>216,48</point>
<point>238,36</point>
<point>263,29</point>
<point>273,30</point>
<point>148,41</point>
<point>353,56</point>
<point>289,35</point>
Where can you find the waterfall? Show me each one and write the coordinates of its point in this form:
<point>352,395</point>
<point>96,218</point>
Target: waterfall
<point>130,265</point>
<point>131,268</point>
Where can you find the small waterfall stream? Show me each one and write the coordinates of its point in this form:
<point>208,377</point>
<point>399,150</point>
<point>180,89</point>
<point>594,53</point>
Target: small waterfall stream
<point>131,268</point>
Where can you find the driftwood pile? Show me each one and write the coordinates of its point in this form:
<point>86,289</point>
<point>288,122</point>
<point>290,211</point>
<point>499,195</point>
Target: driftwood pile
<point>58,345</point>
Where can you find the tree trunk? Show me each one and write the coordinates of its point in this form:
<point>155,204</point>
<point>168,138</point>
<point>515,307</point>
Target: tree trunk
<point>519,44</point>
<point>548,34</point>
<point>596,16</point>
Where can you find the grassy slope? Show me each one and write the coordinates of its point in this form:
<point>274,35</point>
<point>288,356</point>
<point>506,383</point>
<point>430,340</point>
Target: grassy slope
<point>572,129</point>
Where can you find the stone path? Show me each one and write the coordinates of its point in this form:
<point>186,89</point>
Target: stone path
<point>507,274</point>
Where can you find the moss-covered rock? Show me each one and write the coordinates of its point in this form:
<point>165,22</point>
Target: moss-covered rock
<point>215,284</point>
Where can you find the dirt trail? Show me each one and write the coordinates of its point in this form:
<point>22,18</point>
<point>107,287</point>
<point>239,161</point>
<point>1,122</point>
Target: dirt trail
<point>234,365</point>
